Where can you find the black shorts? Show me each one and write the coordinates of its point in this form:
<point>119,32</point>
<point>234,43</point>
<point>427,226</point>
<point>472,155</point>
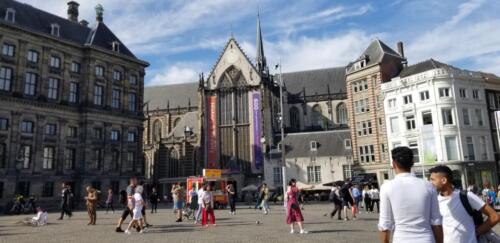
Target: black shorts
<point>126,212</point>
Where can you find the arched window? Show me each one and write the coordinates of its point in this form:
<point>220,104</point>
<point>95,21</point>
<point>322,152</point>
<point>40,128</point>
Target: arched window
<point>157,131</point>
<point>173,163</point>
<point>176,122</point>
<point>316,119</point>
<point>341,114</point>
<point>294,118</point>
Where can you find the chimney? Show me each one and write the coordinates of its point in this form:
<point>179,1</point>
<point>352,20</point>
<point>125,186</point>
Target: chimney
<point>84,22</point>
<point>402,53</point>
<point>73,11</point>
<point>400,49</point>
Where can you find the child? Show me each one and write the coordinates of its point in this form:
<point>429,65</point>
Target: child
<point>40,219</point>
<point>138,204</point>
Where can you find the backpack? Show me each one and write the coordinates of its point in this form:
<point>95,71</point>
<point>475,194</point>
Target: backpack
<point>477,216</point>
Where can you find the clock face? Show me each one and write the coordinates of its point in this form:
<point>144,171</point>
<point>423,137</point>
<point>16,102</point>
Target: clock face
<point>231,57</point>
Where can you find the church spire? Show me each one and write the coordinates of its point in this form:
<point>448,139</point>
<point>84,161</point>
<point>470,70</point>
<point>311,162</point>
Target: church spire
<point>260,57</point>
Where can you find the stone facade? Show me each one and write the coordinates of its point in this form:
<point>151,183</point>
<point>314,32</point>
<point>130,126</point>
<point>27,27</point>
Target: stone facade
<point>439,111</point>
<point>364,77</point>
<point>70,111</point>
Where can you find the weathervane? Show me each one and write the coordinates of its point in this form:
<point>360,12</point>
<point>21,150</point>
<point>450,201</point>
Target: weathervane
<point>99,11</point>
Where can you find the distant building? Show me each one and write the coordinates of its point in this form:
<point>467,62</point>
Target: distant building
<point>172,135</point>
<point>70,104</point>
<point>440,112</point>
<point>235,115</point>
<point>364,77</point>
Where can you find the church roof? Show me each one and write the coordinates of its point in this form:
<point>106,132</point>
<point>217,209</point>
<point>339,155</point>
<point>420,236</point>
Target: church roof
<point>224,50</point>
<point>318,81</point>
<point>190,119</point>
<point>172,96</point>
<point>39,21</point>
<point>330,143</point>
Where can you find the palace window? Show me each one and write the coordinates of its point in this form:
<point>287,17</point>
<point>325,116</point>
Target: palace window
<point>73,92</point>
<point>98,95</point>
<point>53,87</point>
<point>54,30</point>
<point>5,78</point>
<point>447,116</point>
<point>8,50</point>
<point>48,158</point>
<point>32,56</point>
<point>55,62</point>
<point>30,84</point>
<point>10,15</point>
<point>466,117</point>
<point>115,98</point>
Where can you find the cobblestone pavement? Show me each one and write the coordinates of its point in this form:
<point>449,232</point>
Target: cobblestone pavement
<point>241,227</point>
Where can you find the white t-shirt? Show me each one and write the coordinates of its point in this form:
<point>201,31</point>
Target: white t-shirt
<point>138,202</point>
<point>374,194</point>
<point>458,225</point>
<point>409,206</point>
<point>200,196</point>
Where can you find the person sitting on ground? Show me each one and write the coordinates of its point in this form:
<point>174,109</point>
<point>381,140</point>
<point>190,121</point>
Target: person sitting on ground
<point>41,218</point>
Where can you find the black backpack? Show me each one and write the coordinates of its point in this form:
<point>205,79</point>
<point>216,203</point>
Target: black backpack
<point>477,216</point>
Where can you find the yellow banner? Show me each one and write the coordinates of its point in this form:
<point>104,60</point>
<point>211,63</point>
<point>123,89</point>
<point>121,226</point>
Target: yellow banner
<point>212,173</point>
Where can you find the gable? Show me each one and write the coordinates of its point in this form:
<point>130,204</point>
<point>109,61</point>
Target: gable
<point>233,68</point>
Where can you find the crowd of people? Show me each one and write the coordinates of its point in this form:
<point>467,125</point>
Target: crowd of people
<point>410,209</point>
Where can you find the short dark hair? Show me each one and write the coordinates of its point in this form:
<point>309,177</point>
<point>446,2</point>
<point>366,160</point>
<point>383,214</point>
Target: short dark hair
<point>291,182</point>
<point>443,169</point>
<point>403,156</point>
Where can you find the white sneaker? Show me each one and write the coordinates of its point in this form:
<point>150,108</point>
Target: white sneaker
<point>127,232</point>
<point>303,232</point>
<point>292,232</point>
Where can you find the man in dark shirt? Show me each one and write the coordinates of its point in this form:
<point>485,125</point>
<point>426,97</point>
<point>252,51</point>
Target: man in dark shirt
<point>130,204</point>
<point>65,201</point>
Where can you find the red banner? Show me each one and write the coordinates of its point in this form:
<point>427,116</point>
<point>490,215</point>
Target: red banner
<point>211,132</point>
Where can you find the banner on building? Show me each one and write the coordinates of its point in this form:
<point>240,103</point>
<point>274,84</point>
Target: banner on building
<point>429,144</point>
<point>211,132</point>
<point>497,127</point>
<point>257,146</point>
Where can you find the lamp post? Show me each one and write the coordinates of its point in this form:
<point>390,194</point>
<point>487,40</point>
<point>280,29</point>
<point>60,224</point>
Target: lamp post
<point>282,125</point>
<point>18,166</point>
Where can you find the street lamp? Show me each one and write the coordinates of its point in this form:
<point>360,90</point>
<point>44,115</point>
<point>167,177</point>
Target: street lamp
<point>282,125</point>
<point>18,166</point>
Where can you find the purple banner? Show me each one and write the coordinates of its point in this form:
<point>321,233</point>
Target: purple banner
<point>257,146</point>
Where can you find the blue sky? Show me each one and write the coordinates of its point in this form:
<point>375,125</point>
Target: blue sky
<point>182,38</point>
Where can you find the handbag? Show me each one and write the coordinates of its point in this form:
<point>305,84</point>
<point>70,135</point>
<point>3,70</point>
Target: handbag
<point>294,206</point>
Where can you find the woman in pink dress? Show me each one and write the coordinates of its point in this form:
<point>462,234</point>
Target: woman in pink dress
<point>294,215</point>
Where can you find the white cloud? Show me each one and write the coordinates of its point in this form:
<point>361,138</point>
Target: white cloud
<point>176,73</point>
<point>316,20</point>
<point>312,53</point>
<point>457,39</point>
<point>464,10</point>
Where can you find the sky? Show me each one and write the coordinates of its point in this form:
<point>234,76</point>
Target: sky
<point>183,38</point>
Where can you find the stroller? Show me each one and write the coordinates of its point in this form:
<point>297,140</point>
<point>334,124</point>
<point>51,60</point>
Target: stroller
<point>188,213</point>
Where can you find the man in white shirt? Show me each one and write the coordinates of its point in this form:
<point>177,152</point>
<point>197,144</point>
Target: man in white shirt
<point>458,225</point>
<point>375,199</point>
<point>200,201</point>
<point>408,205</point>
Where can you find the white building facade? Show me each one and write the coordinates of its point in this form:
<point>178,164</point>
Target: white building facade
<point>440,112</point>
